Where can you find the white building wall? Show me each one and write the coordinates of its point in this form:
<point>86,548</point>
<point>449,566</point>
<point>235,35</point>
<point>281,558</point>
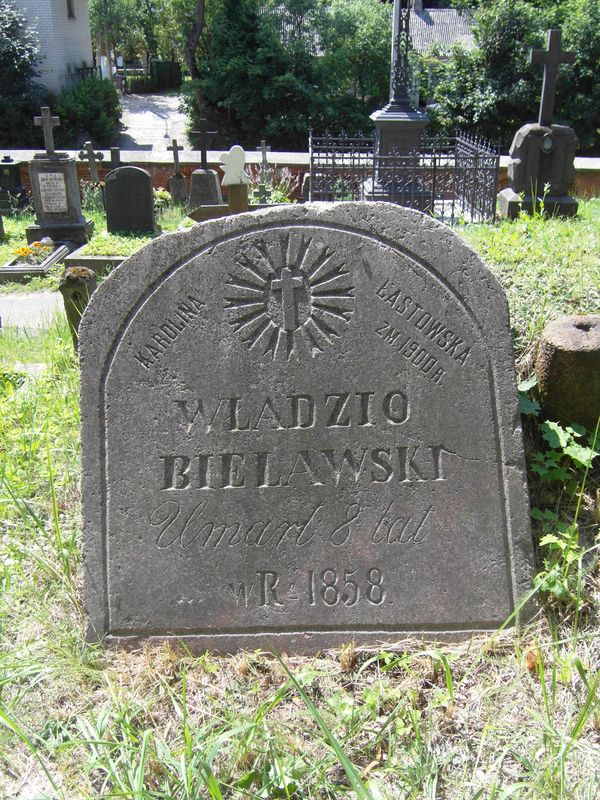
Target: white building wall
<point>65,43</point>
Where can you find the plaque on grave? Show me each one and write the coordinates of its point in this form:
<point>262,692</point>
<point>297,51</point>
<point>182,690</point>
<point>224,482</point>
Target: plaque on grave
<point>53,192</point>
<point>300,428</point>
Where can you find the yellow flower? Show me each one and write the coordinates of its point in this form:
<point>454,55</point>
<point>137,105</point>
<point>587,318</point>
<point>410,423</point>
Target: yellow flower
<point>37,244</point>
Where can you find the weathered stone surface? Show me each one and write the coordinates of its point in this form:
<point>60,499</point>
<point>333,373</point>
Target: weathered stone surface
<point>204,189</point>
<point>568,369</point>
<point>300,427</point>
<point>178,188</point>
<point>57,202</point>
<point>129,201</point>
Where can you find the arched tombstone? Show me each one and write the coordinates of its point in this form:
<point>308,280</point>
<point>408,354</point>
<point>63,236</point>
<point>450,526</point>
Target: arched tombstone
<point>300,428</point>
<point>129,201</point>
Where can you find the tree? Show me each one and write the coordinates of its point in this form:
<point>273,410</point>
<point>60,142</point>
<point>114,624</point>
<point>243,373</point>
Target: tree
<point>116,27</point>
<point>20,98</point>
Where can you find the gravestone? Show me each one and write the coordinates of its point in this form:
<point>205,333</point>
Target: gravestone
<point>129,201</point>
<point>55,190</point>
<point>542,155</point>
<point>300,428</point>
<point>204,182</point>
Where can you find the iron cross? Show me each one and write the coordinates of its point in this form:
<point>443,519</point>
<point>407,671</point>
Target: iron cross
<point>175,150</point>
<point>47,122</point>
<point>551,58</point>
<point>288,285</point>
<point>264,167</point>
<point>204,133</point>
<point>88,155</point>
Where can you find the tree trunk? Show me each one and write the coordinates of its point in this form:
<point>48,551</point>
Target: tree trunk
<point>191,43</point>
<point>107,53</point>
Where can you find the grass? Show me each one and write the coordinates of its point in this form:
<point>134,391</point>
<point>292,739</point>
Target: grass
<point>515,715</point>
<point>168,218</point>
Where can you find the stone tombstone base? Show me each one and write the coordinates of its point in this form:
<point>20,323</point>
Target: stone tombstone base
<point>568,370</point>
<point>178,188</point>
<point>204,189</point>
<point>399,131</point>
<point>510,205</point>
<point>57,202</point>
<point>301,428</point>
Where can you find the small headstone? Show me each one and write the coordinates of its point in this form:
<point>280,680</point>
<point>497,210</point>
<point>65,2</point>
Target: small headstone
<point>300,428</point>
<point>542,155</point>
<point>204,189</point>
<point>568,369</point>
<point>129,201</point>
<point>204,182</point>
<point>55,190</point>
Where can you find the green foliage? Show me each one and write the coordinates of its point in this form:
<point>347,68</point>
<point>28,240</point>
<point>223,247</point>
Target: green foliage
<point>20,98</point>
<point>560,466</point>
<point>90,110</point>
<point>496,89</point>
<point>269,73</point>
<point>117,25</point>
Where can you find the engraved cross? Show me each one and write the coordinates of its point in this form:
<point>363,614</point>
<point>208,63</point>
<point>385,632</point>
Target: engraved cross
<point>174,148</point>
<point>47,122</point>
<point>287,285</point>
<point>551,58</point>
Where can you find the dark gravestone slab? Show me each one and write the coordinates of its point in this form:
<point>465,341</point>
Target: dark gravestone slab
<point>129,201</point>
<point>300,426</point>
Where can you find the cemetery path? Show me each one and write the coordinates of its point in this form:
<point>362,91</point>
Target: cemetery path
<point>30,311</point>
<point>150,122</point>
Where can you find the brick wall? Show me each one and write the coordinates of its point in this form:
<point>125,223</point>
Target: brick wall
<point>64,42</point>
<point>587,181</point>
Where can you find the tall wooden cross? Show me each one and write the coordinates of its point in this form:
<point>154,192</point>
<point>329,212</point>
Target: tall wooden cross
<point>287,284</point>
<point>551,58</point>
<point>174,148</point>
<point>88,155</point>
<point>47,122</point>
<point>204,133</point>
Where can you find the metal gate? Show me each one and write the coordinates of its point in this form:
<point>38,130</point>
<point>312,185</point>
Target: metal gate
<point>452,179</point>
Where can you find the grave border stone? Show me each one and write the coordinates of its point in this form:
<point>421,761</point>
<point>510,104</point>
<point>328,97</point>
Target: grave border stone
<point>451,263</point>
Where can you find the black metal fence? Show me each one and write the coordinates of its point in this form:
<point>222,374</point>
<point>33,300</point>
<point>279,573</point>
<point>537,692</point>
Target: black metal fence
<point>452,179</point>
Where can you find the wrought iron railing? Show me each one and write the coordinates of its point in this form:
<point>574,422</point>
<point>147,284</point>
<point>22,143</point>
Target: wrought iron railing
<point>452,179</point>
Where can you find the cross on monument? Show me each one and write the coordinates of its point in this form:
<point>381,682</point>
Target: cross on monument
<point>551,58</point>
<point>174,148</point>
<point>47,122</point>
<point>288,285</point>
<point>264,166</point>
<point>88,155</point>
<point>204,133</point>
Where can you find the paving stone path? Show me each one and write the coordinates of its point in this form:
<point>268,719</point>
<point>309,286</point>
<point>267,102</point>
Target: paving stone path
<point>29,311</point>
<point>151,121</point>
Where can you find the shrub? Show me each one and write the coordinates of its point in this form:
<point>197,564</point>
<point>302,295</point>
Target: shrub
<point>20,98</point>
<point>90,110</point>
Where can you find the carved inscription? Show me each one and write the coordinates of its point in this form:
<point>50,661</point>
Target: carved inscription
<point>53,191</point>
<point>296,296</point>
<point>428,326</point>
<point>167,332</point>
